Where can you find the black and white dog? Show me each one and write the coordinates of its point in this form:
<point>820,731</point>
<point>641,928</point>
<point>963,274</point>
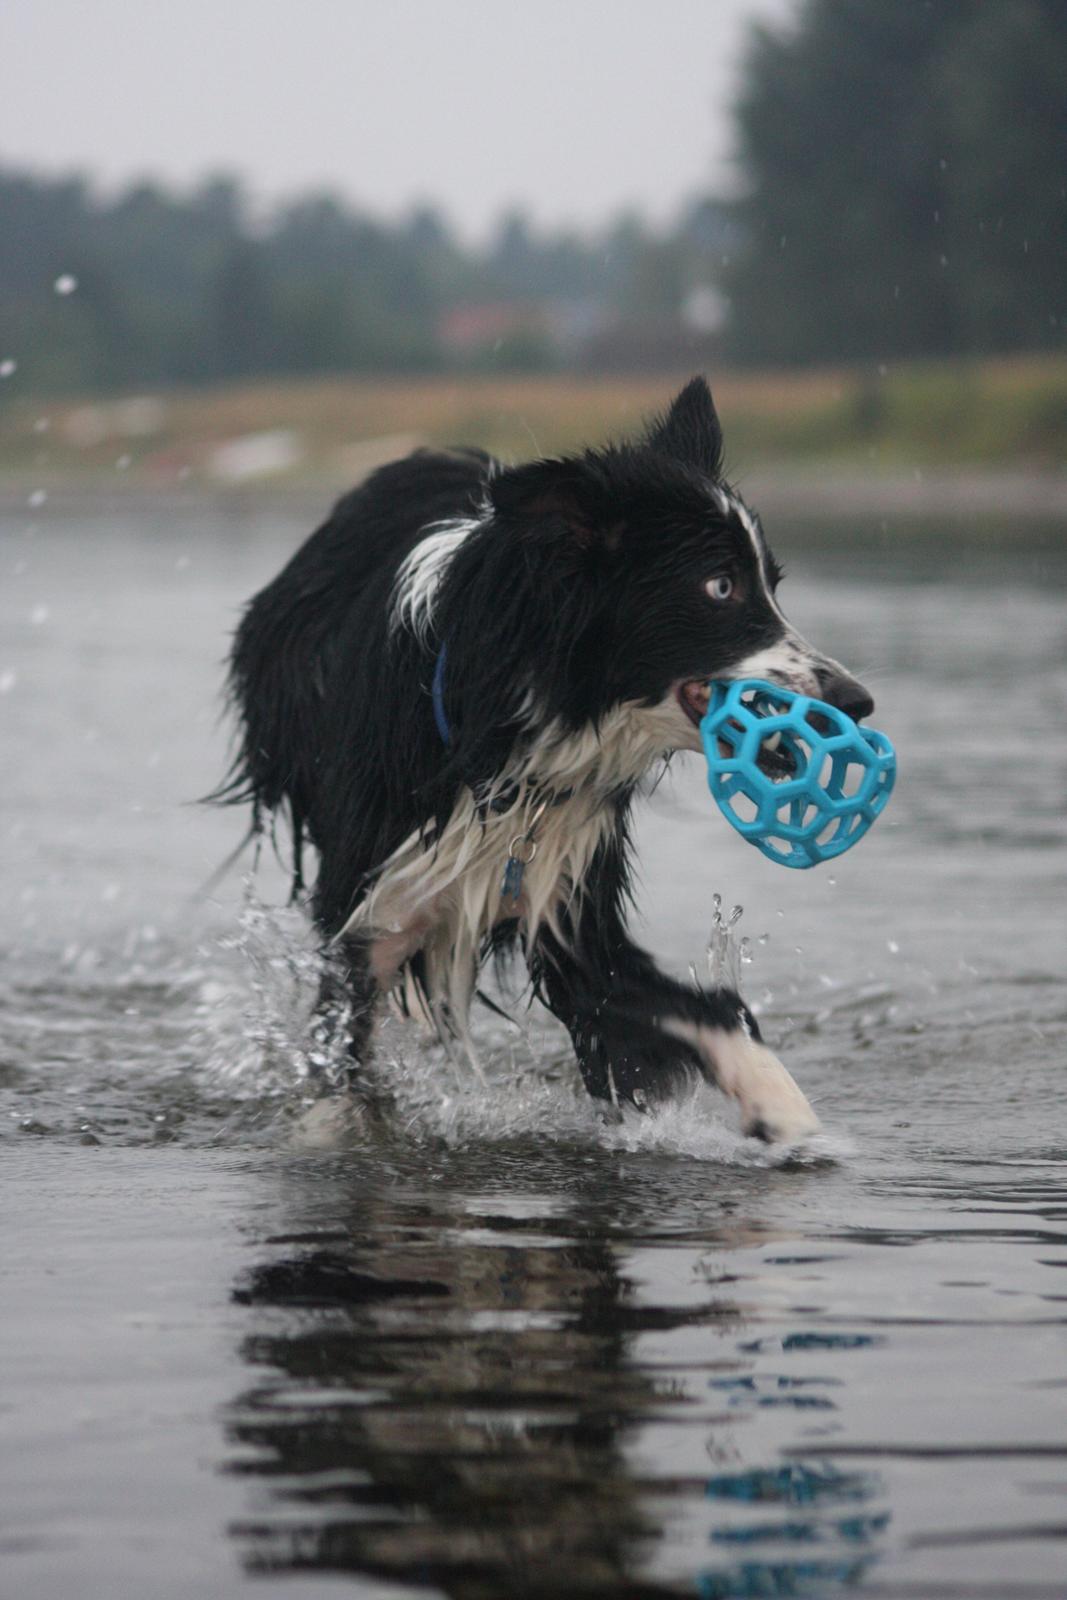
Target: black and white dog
<point>456,687</point>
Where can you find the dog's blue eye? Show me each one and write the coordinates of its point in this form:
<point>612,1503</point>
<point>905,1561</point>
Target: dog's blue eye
<point>720,588</point>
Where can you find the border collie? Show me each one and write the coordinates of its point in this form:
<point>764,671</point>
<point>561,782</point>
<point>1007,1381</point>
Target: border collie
<point>455,689</point>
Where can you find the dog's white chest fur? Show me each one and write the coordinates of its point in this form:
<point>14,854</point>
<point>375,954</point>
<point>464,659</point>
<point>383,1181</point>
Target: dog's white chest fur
<point>443,898</point>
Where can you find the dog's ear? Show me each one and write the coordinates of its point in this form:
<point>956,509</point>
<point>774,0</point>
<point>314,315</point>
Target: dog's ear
<point>690,432</point>
<point>560,501</point>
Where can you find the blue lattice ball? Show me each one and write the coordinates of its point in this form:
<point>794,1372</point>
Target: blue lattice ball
<point>796,777</point>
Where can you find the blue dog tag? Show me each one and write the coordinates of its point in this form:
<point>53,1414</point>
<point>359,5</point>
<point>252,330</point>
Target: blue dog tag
<point>521,852</point>
<point>511,887</point>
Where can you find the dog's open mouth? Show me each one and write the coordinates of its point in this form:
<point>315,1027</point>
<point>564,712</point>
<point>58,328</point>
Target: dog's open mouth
<point>693,697</point>
<point>776,762</point>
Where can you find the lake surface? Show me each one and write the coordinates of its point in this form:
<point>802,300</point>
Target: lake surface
<point>485,1344</point>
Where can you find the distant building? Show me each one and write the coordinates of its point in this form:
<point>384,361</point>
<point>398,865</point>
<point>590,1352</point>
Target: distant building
<point>467,332</point>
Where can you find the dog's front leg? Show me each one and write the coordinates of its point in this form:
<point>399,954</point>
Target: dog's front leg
<point>348,995</point>
<point>637,1032</point>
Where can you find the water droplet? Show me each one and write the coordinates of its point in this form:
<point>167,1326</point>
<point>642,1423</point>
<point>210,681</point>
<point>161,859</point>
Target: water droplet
<point>65,284</point>
<point>8,368</point>
<point>42,425</point>
<point>724,955</point>
<point>833,881</point>
<point>8,681</point>
<point>39,615</point>
<point>892,946</point>
<point>123,462</point>
<point>37,498</point>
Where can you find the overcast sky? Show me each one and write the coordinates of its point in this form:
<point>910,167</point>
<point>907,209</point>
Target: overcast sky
<point>573,108</point>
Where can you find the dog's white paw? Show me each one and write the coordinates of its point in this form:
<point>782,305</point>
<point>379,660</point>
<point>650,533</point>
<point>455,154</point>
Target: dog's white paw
<point>773,1107</point>
<point>327,1123</point>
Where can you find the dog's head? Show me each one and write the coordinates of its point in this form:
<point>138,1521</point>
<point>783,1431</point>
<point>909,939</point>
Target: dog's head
<point>607,589</point>
<point>664,575</point>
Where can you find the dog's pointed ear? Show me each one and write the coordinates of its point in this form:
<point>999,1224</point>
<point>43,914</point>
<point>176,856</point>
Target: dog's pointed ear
<point>690,432</point>
<point>557,499</point>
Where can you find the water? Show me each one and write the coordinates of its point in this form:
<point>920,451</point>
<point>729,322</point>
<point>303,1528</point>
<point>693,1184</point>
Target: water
<point>485,1343</point>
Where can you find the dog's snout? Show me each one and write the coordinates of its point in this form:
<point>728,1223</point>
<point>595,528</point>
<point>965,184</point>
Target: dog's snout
<point>839,689</point>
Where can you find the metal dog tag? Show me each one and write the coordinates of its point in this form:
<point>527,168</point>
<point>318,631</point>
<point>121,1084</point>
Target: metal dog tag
<point>521,852</point>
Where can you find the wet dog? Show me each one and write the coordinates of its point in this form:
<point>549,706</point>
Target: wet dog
<point>455,689</point>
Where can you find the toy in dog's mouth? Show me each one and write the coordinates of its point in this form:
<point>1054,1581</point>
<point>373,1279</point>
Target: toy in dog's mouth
<point>694,698</point>
<point>797,777</point>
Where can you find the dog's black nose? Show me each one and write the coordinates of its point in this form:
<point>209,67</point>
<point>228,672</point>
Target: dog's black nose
<point>848,694</point>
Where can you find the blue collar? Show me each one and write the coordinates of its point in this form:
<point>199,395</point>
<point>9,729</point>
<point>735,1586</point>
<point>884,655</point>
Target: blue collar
<point>507,797</point>
<point>438,692</point>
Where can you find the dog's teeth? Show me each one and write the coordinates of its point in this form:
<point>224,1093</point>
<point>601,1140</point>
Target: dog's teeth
<point>774,741</point>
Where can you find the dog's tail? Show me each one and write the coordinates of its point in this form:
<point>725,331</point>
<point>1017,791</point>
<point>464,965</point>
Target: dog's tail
<point>276,687</point>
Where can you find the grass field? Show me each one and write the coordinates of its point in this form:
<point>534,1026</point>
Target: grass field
<point>1003,413</point>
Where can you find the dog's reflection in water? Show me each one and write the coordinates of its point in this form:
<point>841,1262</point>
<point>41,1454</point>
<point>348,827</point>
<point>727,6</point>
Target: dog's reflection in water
<point>448,1410</point>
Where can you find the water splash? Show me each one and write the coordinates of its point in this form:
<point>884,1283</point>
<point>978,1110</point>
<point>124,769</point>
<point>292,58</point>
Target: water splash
<point>261,1036</point>
<point>727,951</point>
<point>261,1029</point>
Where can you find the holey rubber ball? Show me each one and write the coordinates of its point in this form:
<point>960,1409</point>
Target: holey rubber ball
<point>796,777</point>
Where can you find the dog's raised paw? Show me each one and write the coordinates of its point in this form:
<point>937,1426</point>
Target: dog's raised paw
<point>778,1127</point>
<point>773,1107</point>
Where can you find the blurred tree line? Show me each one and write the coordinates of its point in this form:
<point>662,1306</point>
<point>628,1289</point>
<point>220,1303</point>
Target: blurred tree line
<point>178,289</point>
<point>905,165</point>
<point>907,182</point>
